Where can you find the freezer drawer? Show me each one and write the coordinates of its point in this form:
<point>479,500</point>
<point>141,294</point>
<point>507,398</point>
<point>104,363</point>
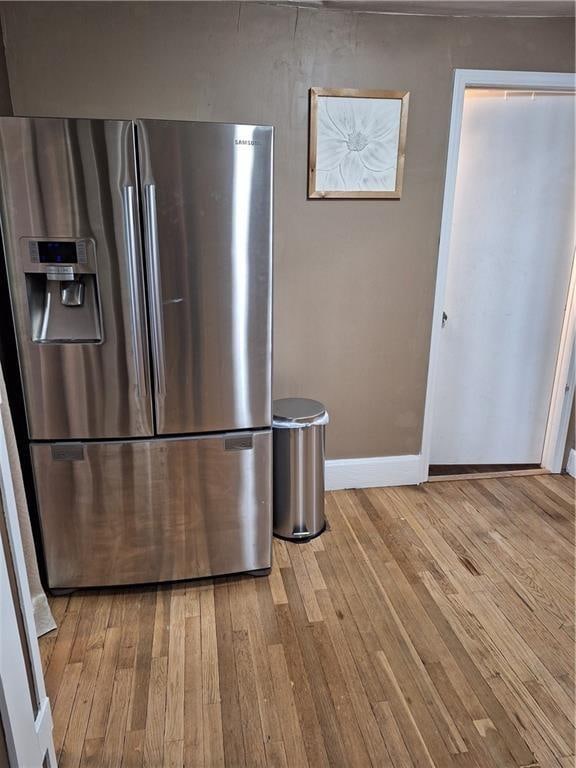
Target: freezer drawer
<point>154,510</point>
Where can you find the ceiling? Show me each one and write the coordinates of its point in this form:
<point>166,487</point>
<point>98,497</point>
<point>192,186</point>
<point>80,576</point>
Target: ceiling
<point>485,8</point>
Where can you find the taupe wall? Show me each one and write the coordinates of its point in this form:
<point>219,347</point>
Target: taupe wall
<point>354,279</point>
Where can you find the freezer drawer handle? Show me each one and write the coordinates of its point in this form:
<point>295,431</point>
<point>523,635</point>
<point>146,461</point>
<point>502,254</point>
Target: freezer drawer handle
<point>68,452</point>
<point>155,288</point>
<point>241,443</point>
<point>135,302</point>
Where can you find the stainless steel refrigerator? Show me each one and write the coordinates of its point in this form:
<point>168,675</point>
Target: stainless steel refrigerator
<point>139,257</point>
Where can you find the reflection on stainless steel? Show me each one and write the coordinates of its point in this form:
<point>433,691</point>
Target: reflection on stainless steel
<point>298,482</point>
<point>242,175</point>
<point>135,286</point>
<point>213,196</point>
<point>154,510</point>
<point>116,509</point>
<point>62,179</point>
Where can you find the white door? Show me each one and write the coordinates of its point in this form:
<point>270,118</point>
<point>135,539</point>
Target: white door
<point>511,254</point>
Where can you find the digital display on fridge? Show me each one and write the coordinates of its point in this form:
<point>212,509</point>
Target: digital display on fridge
<point>57,252</point>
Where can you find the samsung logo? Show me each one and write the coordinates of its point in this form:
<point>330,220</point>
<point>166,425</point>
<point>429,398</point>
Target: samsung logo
<point>247,143</point>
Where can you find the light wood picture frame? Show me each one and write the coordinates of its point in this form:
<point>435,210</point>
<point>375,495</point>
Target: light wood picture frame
<point>357,143</point>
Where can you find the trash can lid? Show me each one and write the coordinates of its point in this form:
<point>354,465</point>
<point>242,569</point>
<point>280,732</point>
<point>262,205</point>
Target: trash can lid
<point>297,409</point>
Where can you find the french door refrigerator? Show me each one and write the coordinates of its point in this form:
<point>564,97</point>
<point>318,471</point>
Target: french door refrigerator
<point>139,258</point>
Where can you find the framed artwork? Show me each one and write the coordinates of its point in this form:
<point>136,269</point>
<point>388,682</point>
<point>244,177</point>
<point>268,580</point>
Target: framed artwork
<point>357,143</point>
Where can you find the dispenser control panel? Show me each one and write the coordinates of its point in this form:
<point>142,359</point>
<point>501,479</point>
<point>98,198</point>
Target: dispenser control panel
<point>58,251</point>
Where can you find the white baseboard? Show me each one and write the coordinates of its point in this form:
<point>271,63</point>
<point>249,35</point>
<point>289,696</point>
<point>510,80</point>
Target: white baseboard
<point>571,465</point>
<point>374,472</point>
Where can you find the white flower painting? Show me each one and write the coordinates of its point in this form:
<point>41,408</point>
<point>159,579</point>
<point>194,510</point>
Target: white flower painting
<point>357,152</point>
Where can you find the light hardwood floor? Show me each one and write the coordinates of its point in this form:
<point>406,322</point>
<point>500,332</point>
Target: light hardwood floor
<point>430,626</point>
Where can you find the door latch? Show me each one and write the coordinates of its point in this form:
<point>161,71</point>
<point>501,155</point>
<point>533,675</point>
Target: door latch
<point>444,319</point>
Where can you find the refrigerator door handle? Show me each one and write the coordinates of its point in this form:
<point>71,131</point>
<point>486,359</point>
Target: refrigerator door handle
<point>151,232</point>
<point>134,279</point>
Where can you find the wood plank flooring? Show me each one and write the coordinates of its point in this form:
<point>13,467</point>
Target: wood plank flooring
<point>429,626</point>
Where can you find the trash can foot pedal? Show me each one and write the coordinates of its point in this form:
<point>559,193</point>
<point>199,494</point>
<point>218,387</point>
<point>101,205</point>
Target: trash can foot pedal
<point>299,539</point>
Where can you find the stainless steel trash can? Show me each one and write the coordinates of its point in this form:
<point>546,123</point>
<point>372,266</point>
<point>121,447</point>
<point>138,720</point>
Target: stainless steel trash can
<point>298,430</point>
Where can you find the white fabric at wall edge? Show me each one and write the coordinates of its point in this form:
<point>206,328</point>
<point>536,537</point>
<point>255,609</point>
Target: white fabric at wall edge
<point>42,614</point>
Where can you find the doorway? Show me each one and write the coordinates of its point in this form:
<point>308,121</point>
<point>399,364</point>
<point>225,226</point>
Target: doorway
<point>503,302</point>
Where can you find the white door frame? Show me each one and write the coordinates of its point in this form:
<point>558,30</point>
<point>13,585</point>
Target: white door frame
<point>28,728</point>
<point>562,393</point>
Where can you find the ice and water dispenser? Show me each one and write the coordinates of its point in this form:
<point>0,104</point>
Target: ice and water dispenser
<point>62,288</point>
